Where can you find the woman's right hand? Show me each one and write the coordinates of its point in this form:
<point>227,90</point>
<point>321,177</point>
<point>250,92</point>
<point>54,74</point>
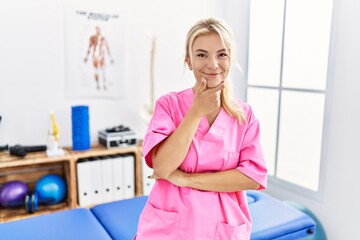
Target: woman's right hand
<point>207,100</point>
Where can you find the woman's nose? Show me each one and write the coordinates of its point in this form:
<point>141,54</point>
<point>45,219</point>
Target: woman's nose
<point>212,63</point>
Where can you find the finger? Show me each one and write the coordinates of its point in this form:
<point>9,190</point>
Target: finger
<point>202,86</point>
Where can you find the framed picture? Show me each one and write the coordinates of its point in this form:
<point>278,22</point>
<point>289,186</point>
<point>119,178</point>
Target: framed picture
<point>94,54</point>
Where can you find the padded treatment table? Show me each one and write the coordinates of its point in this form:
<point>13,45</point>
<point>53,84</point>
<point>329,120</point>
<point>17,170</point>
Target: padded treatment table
<point>69,224</point>
<point>118,220</point>
<point>273,219</point>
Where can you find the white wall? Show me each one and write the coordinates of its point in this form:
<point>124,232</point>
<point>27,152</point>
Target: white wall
<point>32,64</point>
<point>339,209</point>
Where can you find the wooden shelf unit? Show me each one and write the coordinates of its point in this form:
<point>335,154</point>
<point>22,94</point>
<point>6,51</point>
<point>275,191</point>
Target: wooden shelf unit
<point>35,165</point>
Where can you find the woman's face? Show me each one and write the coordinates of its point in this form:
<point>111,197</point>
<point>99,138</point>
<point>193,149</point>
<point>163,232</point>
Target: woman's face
<point>210,60</point>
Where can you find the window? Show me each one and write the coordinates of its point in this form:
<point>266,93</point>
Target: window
<point>286,84</point>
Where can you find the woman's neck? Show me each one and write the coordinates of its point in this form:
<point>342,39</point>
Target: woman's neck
<point>212,116</point>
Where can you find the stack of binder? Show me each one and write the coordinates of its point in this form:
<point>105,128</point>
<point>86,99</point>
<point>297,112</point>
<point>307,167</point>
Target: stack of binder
<point>105,179</point>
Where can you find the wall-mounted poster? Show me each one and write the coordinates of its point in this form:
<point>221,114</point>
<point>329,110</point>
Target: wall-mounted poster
<point>94,54</point>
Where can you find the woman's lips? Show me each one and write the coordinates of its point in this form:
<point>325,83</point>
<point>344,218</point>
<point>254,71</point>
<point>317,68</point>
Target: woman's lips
<point>212,75</point>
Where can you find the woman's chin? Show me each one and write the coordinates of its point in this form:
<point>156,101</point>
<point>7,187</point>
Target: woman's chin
<point>213,85</point>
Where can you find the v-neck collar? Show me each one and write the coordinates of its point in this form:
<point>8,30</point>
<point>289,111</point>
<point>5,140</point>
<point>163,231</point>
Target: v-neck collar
<point>218,127</point>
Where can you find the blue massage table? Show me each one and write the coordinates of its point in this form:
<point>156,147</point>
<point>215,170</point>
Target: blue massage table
<point>65,225</point>
<point>272,219</point>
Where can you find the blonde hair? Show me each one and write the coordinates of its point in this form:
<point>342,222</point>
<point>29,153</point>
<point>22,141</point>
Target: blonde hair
<point>210,26</point>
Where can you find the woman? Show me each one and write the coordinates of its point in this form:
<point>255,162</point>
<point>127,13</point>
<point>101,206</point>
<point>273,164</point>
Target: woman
<point>204,147</point>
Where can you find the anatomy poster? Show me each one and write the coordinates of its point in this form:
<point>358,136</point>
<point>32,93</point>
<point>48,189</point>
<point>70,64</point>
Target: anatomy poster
<point>94,54</point>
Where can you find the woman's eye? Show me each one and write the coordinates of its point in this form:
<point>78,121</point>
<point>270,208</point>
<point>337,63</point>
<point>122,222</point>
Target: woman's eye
<point>201,55</point>
<point>223,55</point>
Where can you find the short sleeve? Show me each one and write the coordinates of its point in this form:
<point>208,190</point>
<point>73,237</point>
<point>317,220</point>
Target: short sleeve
<point>160,127</point>
<point>252,162</point>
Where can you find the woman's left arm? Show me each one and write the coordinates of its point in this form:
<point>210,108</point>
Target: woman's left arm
<point>225,181</point>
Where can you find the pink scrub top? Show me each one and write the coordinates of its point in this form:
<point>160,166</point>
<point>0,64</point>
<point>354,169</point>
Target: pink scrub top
<point>185,213</point>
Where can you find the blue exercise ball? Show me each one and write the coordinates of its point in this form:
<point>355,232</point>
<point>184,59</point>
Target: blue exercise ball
<point>51,189</point>
<point>12,191</point>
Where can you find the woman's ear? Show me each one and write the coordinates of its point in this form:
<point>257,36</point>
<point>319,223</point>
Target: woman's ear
<point>187,60</point>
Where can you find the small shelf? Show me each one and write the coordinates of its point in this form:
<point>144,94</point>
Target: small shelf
<point>7,215</point>
<point>35,165</point>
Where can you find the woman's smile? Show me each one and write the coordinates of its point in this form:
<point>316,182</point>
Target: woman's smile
<point>213,75</point>
<point>210,60</point>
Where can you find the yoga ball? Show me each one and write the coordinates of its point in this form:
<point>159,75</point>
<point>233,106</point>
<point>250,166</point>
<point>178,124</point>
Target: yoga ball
<point>51,187</point>
<point>12,191</point>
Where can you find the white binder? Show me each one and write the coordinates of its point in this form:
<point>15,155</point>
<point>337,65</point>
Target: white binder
<point>147,183</point>
<point>129,175</point>
<point>107,179</point>
<point>118,177</point>
<point>96,181</point>
<point>84,182</point>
